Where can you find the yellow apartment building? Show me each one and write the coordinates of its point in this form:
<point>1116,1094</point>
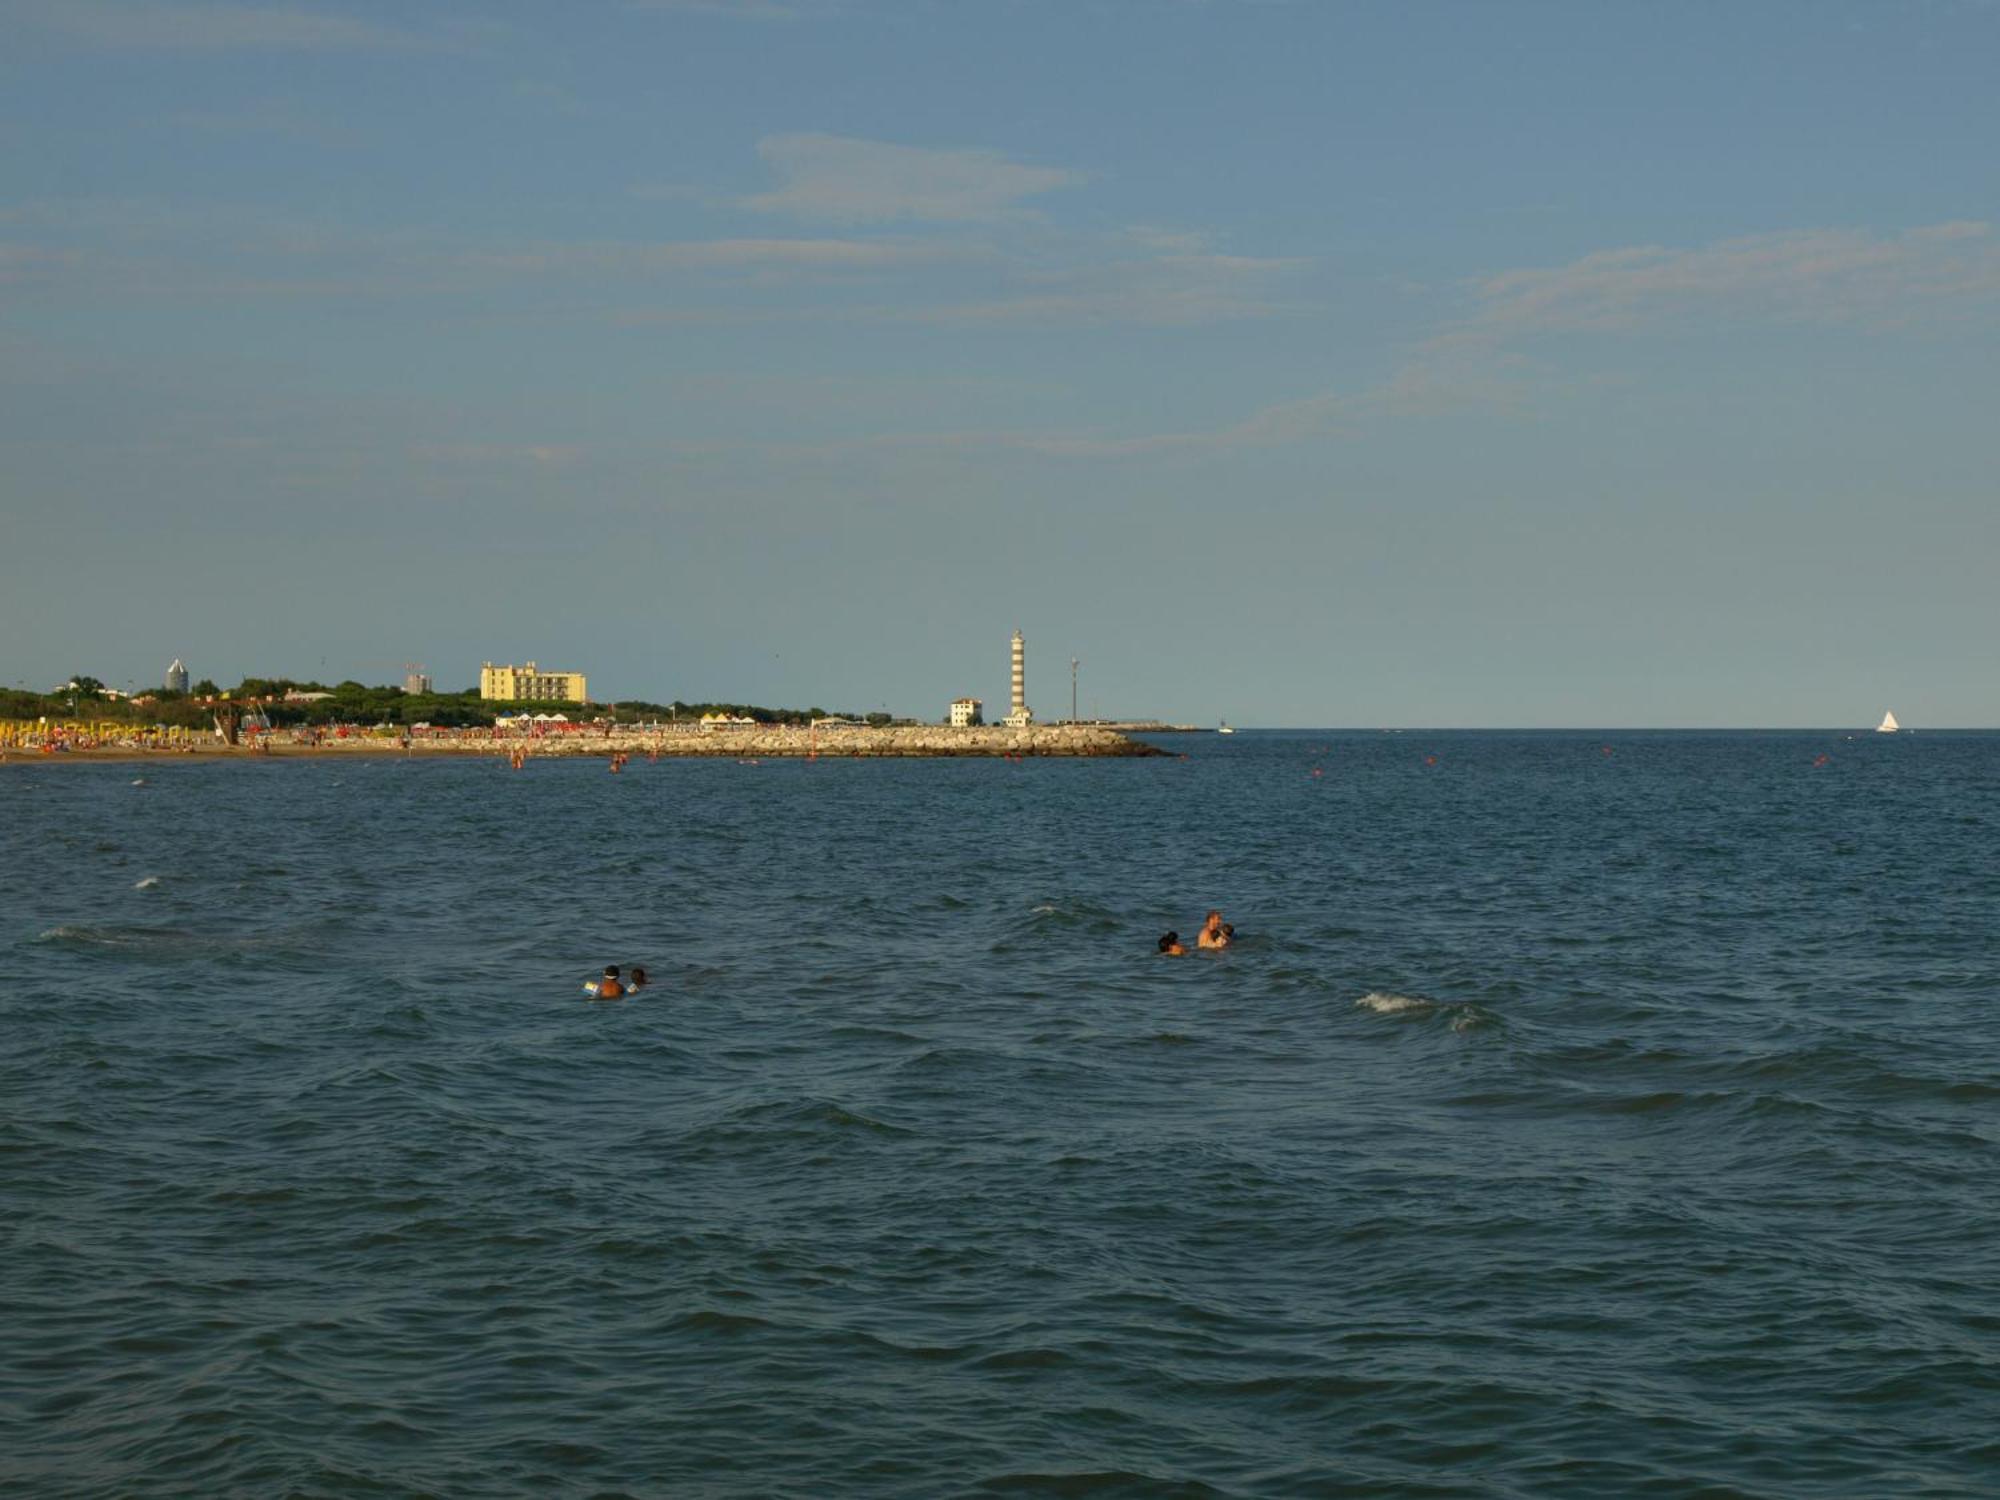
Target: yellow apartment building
<point>530,684</point>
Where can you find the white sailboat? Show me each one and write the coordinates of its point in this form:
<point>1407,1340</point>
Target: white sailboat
<point>1224,728</point>
<point>1888,725</point>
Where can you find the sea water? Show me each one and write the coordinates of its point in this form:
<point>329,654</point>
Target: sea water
<point>1577,1115</point>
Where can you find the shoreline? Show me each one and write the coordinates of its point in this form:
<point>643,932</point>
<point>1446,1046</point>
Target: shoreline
<point>774,742</point>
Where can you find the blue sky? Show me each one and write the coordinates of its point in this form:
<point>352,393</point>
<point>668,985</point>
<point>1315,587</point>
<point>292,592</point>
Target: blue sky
<point>1290,363</point>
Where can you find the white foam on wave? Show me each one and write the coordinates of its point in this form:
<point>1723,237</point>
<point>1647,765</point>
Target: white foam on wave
<point>1392,1005</point>
<point>105,937</point>
<point>147,884</point>
<point>1044,911</point>
<point>1464,1015</point>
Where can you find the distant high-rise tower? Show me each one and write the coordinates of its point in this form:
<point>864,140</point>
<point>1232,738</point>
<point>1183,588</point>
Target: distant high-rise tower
<point>177,677</point>
<point>1019,713</point>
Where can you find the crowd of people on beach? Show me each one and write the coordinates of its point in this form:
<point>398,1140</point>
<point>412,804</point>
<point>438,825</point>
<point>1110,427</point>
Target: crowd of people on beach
<point>42,737</point>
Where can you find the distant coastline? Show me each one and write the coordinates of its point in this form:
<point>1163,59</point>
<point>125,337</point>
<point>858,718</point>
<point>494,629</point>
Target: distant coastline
<point>852,741</point>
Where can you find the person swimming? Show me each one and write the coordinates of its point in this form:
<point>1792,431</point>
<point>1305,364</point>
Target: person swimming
<point>607,988</point>
<point>1170,943</point>
<point>637,982</point>
<point>1215,933</point>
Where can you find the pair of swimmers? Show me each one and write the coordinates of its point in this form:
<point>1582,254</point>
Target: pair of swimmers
<point>1215,933</point>
<point>611,987</point>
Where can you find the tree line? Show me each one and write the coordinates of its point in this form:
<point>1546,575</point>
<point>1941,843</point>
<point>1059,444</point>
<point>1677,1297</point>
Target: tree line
<point>352,702</point>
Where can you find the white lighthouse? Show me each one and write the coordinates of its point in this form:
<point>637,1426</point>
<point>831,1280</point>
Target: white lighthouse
<point>1020,715</point>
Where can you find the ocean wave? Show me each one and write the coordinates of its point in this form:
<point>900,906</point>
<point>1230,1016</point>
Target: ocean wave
<point>147,939</point>
<point>1109,1484</point>
<point>1461,1016</point>
<point>797,1118</point>
<point>1394,1005</point>
<point>1074,915</point>
<point>713,1320</point>
<point>294,949</point>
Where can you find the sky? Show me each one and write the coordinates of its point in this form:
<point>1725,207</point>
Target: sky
<point>1288,362</point>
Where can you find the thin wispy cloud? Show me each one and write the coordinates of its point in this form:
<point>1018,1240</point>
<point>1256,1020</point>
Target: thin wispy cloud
<point>1876,282</point>
<point>535,455</point>
<point>1169,241</point>
<point>710,255</point>
<point>1427,386</point>
<point>664,192</point>
<point>1174,290</point>
<point>1023,274</point>
<point>26,264</point>
<point>844,180</point>
<point>271,120</point>
<point>211,25</point>
<point>1818,276</point>
<point>148,246</point>
<point>740,10</point>
<point>1163,292</point>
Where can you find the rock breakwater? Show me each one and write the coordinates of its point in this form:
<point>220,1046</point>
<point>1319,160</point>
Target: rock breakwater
<point>911,740</point>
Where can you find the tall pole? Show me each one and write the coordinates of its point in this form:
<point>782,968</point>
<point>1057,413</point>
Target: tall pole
<point>1072,689</point>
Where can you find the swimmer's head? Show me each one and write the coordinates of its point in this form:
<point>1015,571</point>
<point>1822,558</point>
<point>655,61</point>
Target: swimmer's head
<point>611,971</point>
<point>1169,941</point>
<point>638,975</point>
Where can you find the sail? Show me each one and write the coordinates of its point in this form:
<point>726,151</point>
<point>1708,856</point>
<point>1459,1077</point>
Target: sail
<point>1888,725</point>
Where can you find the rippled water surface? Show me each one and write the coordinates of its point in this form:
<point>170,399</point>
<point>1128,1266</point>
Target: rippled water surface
<point>1579,1116</point>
